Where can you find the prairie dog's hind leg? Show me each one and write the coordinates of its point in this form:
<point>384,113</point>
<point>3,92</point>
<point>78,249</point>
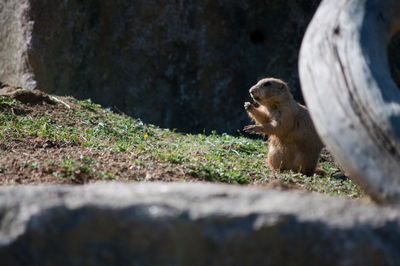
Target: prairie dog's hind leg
<point>305,164</point>
<point>277,159</point>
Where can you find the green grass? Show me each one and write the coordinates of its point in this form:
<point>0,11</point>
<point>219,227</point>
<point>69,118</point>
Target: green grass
<point>79,170</point>
<point>215,158</point>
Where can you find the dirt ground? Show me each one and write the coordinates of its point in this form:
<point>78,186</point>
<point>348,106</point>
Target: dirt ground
<point>34,160</point>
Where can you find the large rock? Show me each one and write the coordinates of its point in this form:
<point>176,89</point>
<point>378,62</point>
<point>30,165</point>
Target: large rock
<point>181,64</point>
<point>15,36</point>
<point>188,224</point>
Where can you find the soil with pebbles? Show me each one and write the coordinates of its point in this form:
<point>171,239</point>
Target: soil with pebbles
<point>37,160</point>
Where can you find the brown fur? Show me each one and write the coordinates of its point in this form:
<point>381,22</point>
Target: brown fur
<point>293,141</point>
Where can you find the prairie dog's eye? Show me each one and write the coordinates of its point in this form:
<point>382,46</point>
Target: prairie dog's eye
<point>267,83</point>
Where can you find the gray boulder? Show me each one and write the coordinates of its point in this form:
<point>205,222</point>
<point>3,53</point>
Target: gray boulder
<point>188,224</point>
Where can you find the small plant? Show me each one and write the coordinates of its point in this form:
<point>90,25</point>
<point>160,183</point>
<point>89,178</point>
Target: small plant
<point>7,101</point>
<point>107,176</point>
<point>74,170</point>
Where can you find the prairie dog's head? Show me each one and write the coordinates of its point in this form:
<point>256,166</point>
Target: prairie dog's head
<point>269,90</point>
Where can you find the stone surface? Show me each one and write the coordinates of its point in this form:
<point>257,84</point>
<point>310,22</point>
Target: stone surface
<point>191,224</point>
<point>15,36</point>
<point>351,96</point>
<point>184,64</point>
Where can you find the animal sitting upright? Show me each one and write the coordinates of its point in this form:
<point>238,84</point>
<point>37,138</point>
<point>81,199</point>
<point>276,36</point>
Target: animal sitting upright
<point>293,142</point>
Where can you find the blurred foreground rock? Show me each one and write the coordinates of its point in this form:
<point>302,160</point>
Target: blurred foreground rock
<point>191,224</point>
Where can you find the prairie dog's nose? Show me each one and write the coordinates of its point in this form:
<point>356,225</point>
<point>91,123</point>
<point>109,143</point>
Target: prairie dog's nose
<point>253,89</point>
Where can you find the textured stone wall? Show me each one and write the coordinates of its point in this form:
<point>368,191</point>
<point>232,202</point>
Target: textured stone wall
<point>394,58</point>
<point>15,36</point>
<point>184,64</point>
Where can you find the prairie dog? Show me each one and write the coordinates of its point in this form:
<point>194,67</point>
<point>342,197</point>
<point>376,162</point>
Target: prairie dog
<point>293,142</point>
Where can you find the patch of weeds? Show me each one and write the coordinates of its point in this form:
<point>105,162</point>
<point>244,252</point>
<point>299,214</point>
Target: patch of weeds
<point>7,102</point>
<point>29,164</point>
<point>76,170</point>
<point>122,146</point>
<point>329,168</point>
<point>237,145</point>
<point>326,184</point>
<point>139,163</point>
<point>2,168</point>
<point>82,170</point>
<point>11,106</point>
<point>107,176</point>
<point>173,158</point>
<point>35,165</point>
<point>89,105</point>
<point>218,173</point>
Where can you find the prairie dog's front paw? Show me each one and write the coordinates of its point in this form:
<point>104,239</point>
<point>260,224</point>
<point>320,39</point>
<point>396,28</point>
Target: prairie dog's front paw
<point>248,106</point>
<point>254,129</point>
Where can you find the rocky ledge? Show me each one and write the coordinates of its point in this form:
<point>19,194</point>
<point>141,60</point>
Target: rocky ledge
<point>191,224</point>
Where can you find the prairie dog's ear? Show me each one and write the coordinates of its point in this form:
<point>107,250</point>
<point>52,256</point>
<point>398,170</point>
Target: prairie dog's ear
<point>267,83</point>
